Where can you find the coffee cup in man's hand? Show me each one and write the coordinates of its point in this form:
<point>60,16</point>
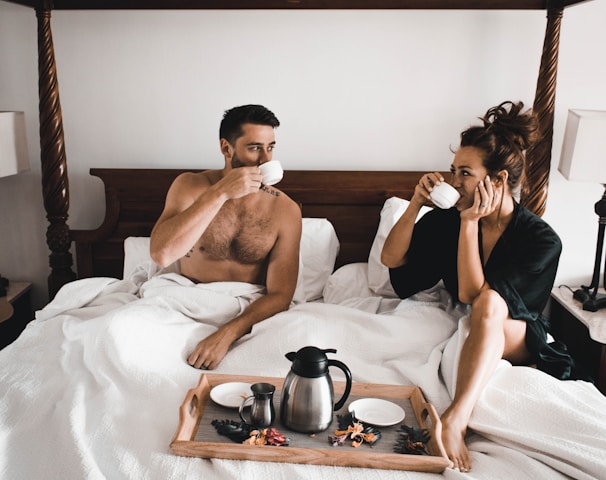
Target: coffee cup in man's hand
<point>272,172</point>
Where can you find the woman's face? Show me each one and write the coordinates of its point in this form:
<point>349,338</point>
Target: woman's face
<point>467,172</point>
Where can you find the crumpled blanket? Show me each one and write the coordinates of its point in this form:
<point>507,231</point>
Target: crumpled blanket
<point>92,387</point>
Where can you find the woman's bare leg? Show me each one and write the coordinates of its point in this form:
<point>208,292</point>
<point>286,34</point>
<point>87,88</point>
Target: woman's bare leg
<point>492,335</point>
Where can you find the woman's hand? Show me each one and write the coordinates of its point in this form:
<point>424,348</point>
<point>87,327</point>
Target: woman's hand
<point>425,186</point>
<point>486,199</point>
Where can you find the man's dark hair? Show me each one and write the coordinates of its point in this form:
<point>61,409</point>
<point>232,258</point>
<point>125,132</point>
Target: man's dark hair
<point>233,119</point>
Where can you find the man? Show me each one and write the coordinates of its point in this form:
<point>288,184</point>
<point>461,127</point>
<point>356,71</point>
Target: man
<point>225,225</point>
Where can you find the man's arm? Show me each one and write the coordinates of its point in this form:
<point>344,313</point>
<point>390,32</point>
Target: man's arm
<point>282,273</point>
<point>191,204</point>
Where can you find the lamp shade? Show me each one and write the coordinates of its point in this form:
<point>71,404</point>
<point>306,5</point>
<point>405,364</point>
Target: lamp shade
<point>583,155</point>
<point>13,145</point>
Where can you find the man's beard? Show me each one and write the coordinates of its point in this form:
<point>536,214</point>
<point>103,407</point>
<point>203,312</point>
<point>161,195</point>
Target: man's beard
<point>235,161</point>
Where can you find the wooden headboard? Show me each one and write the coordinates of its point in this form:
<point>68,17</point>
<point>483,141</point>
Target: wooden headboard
<point>55,183</point>
<point>351,200</point>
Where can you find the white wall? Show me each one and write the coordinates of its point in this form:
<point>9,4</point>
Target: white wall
<point>355,90</point>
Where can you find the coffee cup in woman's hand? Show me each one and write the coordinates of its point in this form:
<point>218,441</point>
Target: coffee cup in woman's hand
<point>444,195</point>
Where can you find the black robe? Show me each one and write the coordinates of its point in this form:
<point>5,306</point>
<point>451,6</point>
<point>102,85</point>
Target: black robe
<point>521,268</point>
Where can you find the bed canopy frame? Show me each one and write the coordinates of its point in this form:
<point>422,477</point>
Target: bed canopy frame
<point>55,183</point>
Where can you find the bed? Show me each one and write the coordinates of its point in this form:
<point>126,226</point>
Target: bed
<point>93,386</point>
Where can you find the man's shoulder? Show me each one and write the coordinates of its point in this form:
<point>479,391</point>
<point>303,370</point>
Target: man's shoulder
<point>199,176</point>
<point>283,208</point>
<point>289,204</point>
<point>196,180</point>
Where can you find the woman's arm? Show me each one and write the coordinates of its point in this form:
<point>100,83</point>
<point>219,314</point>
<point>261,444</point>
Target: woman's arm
<point>398,240</point>
<point>469,262</point>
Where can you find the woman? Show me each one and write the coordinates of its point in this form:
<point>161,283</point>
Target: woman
<point>491,253</point>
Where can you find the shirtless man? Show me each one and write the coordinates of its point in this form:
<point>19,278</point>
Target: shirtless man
<point>224,225</point>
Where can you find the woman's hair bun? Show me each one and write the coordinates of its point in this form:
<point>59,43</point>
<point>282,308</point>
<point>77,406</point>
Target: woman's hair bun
<point>509,121</point>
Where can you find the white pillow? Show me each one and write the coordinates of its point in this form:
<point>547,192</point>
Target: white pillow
<point>318,251</point>
<point>317,255</point>
<point>349,281</point>
<point>136,254</point>
<point>138,264</point>
<point>378,274</point>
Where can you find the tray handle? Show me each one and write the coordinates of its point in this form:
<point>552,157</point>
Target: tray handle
<point>435,444</point>
<point>190,412</point>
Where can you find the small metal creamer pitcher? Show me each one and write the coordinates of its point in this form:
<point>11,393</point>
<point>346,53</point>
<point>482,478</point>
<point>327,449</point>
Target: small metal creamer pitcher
<point>262,412</point>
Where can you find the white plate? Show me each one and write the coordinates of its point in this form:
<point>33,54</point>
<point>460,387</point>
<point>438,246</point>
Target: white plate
<point>377,411</point>
<point>230,394</point>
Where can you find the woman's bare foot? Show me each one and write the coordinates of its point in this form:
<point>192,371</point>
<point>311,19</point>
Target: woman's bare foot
<point>453,438</point>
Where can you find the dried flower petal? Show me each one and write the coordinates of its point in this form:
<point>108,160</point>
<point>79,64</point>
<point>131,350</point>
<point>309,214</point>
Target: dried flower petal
<point>412,441</point>
<point>244,433</point>
<point>356,431</point>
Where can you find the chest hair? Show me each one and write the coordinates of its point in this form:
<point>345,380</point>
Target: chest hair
<point>238,233</point>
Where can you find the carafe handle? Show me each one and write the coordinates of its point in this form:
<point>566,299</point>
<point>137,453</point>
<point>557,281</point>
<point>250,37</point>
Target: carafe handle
<point>342,366</point>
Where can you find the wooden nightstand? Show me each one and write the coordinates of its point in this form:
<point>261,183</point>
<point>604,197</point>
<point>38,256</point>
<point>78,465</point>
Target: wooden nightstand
<point>19,296</point>
<point>583,332</point>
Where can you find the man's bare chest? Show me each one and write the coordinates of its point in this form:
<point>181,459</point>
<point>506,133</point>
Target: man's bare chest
<point>244,233</point>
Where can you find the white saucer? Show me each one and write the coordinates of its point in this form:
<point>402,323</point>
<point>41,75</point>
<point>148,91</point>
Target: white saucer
<point>377,411</point>
<point>230,394</point>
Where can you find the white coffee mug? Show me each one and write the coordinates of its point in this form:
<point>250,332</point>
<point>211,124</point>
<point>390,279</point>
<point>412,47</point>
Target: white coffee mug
<point>272,172</point>
<point>444,195</point>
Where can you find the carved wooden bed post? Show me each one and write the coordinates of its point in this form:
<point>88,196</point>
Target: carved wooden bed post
<point>55,185</point>
<point>539,155</point>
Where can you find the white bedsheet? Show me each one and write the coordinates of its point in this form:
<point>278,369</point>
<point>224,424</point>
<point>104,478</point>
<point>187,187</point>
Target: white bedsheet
<point>92,387</point>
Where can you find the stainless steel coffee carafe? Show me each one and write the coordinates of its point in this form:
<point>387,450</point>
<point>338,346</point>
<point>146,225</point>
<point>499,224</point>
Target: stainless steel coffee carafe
<point>308,395</point>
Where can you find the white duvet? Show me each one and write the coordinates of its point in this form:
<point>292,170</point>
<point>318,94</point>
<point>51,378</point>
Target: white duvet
<point>92,388</point>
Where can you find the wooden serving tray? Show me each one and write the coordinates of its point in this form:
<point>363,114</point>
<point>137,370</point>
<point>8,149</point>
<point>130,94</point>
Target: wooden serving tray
<point>196,437</point>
